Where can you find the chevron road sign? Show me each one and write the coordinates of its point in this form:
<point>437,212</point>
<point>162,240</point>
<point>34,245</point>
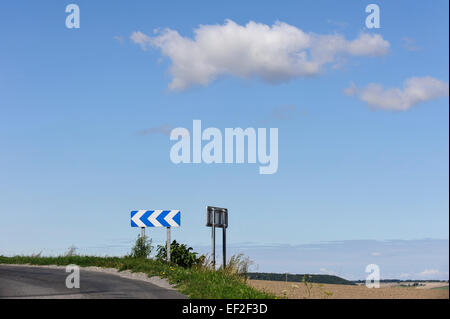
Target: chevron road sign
<point>155,218</point>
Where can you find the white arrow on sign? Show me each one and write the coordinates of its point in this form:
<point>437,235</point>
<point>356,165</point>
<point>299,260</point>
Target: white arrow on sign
<point>137,218</point>
<point>152,218</point>
<point>169,218</point>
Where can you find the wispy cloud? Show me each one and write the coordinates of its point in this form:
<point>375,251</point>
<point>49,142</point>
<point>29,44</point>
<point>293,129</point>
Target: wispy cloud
<point>163,129</point>
<point>415,90</point>
<point>119,39</point>
<point>329,272</point>
<point>376,253</point>
<point>339,24</point>
<point>275,54</point>
<point>429,272</point>
<point>283,112</point>
<point>409,44</point>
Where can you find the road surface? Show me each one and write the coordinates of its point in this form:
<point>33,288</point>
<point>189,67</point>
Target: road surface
<point>39,282</point>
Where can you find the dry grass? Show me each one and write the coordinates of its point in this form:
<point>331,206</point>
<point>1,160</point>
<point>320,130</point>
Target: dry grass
<point>296,290</point>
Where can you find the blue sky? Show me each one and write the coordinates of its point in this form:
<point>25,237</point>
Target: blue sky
<point>74,104</point>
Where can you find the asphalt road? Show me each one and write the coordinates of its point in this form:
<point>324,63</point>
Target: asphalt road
<point>37,282</point>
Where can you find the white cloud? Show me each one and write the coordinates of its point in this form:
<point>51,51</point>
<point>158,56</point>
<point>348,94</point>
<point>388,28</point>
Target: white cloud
<point>415,90</point>
<point>141,39</point>
<point>274,53</point>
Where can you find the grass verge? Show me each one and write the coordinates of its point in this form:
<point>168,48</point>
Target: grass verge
<point>440,288</point>
<point>194,282</point>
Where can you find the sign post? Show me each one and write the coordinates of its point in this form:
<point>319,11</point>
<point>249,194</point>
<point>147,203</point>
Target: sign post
<point>214,243</point>
<point>168,244</point>
<point>156,218</point>
<point>224,247</point>
<point>217,217</point>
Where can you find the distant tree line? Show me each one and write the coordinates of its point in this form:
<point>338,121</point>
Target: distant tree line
<point>319,279</point>
<point>399,281</point>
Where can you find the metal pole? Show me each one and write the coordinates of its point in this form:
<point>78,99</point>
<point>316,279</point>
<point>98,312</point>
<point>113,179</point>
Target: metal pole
<point>224,243</point>
<point>143,232</point>
<point>168,244</point>
<point>213,239</point>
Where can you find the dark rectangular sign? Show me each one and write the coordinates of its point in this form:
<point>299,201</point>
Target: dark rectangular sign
<point>216,216</point>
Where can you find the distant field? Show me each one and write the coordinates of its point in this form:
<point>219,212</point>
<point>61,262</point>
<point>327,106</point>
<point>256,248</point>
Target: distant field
<point>293,290</point>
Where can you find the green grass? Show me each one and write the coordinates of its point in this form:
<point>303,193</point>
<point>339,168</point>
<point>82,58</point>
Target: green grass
<point>194,282</point>
<point>440,288</point>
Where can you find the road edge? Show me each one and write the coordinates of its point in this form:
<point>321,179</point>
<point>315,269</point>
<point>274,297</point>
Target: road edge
<point>155,280</point>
